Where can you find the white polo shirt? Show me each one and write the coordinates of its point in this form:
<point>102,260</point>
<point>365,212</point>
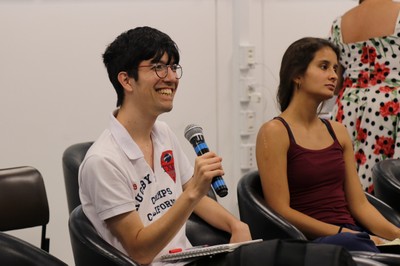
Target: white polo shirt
<point>114,178</point>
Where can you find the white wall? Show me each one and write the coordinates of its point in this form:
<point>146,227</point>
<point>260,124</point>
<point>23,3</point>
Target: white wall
<point>286,21</point>
<point>55,91</point>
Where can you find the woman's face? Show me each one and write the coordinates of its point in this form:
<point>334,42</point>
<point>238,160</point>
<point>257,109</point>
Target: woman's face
<point>321,75</point>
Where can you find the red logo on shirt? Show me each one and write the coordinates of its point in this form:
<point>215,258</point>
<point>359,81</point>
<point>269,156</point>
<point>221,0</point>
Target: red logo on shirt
<point>167,163</point>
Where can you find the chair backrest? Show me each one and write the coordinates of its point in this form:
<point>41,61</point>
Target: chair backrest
<point>386,178</point>
<point>263,222</point>
<point>23,201</point>
<point>71,160</point>
<point>198,231</point>
<point>15,251</point>
<point>87,245</point>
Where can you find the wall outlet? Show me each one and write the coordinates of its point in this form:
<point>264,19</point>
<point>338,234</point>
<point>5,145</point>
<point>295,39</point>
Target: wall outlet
<point>247,56</point>
<point>248,156</point>
<point>248,122</point>
<point>247,88</point>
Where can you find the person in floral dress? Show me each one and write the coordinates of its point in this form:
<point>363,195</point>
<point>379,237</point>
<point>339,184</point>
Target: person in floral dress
<point>368,103</point>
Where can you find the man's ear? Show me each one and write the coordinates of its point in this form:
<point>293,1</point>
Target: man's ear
<point>125,81</point>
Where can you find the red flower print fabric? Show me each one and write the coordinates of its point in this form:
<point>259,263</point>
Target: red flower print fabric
<point>368,103</point>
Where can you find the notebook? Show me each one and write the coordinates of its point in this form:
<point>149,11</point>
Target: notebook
<point>390,247</point>
<point>205,251</point>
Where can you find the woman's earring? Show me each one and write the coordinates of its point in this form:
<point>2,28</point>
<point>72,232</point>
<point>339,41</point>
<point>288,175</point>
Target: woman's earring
<point>298,85</point>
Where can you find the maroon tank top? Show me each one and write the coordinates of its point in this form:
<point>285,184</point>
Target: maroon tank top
<point>316,179</point>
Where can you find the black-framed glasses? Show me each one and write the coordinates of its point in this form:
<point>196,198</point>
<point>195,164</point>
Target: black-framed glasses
<point>162,70</point>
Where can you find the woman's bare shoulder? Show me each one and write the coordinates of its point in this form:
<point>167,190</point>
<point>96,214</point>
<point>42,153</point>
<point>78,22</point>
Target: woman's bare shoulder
<point>273,127</point>
<point>337,126</point>
<point>272,131</point>
<point>340,132</point>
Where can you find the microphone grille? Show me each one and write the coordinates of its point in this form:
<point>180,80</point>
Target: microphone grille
<point>192,130</point>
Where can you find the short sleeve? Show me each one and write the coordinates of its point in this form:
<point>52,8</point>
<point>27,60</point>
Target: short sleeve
<point>105,185</point>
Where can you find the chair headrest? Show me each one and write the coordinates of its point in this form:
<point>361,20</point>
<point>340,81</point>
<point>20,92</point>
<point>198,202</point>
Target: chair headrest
<point>74,154</point>
<point>23,198</point>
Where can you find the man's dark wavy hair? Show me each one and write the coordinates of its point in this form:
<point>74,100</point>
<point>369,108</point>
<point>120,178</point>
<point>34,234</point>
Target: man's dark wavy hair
<point>132,47</point>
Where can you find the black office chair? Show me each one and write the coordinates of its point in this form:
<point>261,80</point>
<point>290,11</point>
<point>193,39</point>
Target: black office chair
<point>383,258</point>
<point>23,201</point>
<point>201,233</point>
<point>71,160</point>
<point>391,214</point>
<point>265,223</point>
<point>88,247</point>
<point>386,179</point>
<point>197,231</point>
<point>16,252</point>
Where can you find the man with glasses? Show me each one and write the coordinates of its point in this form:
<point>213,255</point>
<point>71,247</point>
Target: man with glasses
<point>137,187</point>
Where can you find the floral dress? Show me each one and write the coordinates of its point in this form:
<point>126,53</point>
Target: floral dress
<point>368,103</point>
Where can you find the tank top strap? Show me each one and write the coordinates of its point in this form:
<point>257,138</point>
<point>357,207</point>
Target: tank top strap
<point>326,122</point>
<point>329,127</point>
<point>291,137</point>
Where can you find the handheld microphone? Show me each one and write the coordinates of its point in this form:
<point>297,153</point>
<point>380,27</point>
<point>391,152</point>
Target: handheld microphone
<point>194,134</point>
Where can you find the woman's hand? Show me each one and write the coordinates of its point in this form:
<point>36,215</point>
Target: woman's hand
<point>377,240</point>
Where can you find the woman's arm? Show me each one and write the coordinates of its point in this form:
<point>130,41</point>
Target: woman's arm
<point>362,211</point>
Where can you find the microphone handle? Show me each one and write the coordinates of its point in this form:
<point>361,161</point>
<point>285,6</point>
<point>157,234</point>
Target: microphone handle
<point>218,182</point>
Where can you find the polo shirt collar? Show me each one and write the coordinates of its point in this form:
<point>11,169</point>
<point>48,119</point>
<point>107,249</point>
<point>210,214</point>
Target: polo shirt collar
<point>123,139</point>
